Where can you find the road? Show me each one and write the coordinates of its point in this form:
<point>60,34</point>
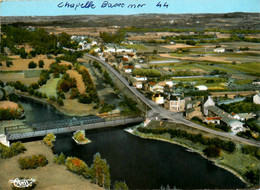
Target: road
<point>159,112</point>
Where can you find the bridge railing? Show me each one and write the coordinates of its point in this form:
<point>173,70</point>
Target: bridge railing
<point>67,123</point>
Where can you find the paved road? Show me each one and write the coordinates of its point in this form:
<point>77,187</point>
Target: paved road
<point>157,111</point>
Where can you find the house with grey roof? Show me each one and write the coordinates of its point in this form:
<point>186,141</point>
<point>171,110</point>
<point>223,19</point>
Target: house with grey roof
<point>235,125</point>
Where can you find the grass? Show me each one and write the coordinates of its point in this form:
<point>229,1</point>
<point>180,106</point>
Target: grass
<point>136,46</point>
<point>250,68</point>
<point>5,58</point>
<point>50,87</point>
<point>218,82</point>
<point>245,81</point>
<point>186,67</point>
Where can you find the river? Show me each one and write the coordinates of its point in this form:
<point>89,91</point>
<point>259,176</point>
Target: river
<point>141,163</point>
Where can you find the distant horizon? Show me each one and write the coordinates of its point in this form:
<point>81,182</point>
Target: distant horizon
<point>58,8</point>
<point>136,14</point>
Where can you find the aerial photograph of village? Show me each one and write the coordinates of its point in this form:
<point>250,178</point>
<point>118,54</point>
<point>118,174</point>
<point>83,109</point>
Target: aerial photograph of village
<point>136,101</point>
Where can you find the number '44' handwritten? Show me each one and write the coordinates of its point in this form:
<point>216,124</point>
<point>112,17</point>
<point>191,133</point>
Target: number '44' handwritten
<point>165,5</point>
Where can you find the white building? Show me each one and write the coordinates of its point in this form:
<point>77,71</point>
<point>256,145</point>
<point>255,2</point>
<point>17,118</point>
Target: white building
<point>128,69</point>
<point>202,88</point>
<point>175,103</point>
<point>256,99</point>
<point>158,99</point>
<point>214,120</point>
<point>207,104</point>
<point>141,78</point>
<point>219,50</point>
<point>236,126</point>
<point>156,88</point>
<point>243,116</point>
<point>138,85</point>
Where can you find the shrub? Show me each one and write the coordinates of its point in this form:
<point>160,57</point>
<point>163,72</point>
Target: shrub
<point>119,185</point>
<point>32,65</point>
<point>41,63</point>
<point>9,63</point>
<point>211,151</point>
<point>60,101</point>
<point>49,139</point>
<point>15,149</point>
<point>253,176</point>
<point>32,162</point>
<point>76,165</point>
<point>59,159</point>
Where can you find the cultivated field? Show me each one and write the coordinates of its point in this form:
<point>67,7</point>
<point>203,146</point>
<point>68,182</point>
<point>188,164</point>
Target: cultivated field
<point>91,31</point>
<point>8,77</point>
<point>78,77</point>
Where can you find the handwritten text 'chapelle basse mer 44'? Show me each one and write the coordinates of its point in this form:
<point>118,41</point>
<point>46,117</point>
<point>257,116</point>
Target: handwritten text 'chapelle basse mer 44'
<point>107,4</point>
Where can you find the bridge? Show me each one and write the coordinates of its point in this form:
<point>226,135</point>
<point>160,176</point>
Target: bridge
<point>158,112</point>
<point>68,125</point>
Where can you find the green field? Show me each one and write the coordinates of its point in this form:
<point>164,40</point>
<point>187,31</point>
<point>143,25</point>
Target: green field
<point>250,68</point>
<point>136,46</point>
<point>218,82</point>
<point>50,87</point>
<point>5,58</point>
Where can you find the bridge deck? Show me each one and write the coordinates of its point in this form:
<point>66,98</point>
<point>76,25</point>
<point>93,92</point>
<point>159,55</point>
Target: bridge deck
<point>15,134</point>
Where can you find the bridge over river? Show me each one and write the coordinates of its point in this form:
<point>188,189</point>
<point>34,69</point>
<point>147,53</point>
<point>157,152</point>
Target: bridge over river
<point>68,125</point>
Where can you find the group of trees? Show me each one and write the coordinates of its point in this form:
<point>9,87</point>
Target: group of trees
<point>98,172</point>
<point>240,107</point>
<point>112,38</point>
<point>91,92</point>
<point>147,72</point>
<point>8,114</point>
<point>32,162</point>
<point>228,146</point>
<point>40,40</point>
<point>15,149</point>
<point>129,107</point>
<point>33,65</point>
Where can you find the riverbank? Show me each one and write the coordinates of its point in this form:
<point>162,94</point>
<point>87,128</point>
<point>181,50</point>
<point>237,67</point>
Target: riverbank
<point>52,176</point>
<point>236,162</point>
<point>61,109</point>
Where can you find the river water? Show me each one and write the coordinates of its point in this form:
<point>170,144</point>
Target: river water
<point>141,163</point>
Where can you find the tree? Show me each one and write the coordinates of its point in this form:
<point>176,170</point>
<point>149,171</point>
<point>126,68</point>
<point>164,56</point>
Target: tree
<point>100,172</point>
<point>41,63</point>
<point>119,185</point>
<point>253,176</point>
<point>211,151</point>
<point>32,65</point>
<point>9,63</point>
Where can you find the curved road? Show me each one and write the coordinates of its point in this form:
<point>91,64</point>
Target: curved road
<point>157,111</point>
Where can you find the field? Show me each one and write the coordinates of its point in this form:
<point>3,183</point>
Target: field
<point>52,176</point>
<point>91,31</point>
<point>136,46</point>
<point>78,77</point>
<point>8,104</point>
<point>50,87</point>
<point>14,76</point>
<point>217,84</point>
<point>250,68</point>
<point>22,64</point>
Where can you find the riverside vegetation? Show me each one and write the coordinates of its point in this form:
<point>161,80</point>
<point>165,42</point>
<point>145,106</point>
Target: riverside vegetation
<point>98,172</point>
<point>241,159</point>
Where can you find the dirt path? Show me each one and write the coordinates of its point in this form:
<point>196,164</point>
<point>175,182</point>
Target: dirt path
<point>50,177</point>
